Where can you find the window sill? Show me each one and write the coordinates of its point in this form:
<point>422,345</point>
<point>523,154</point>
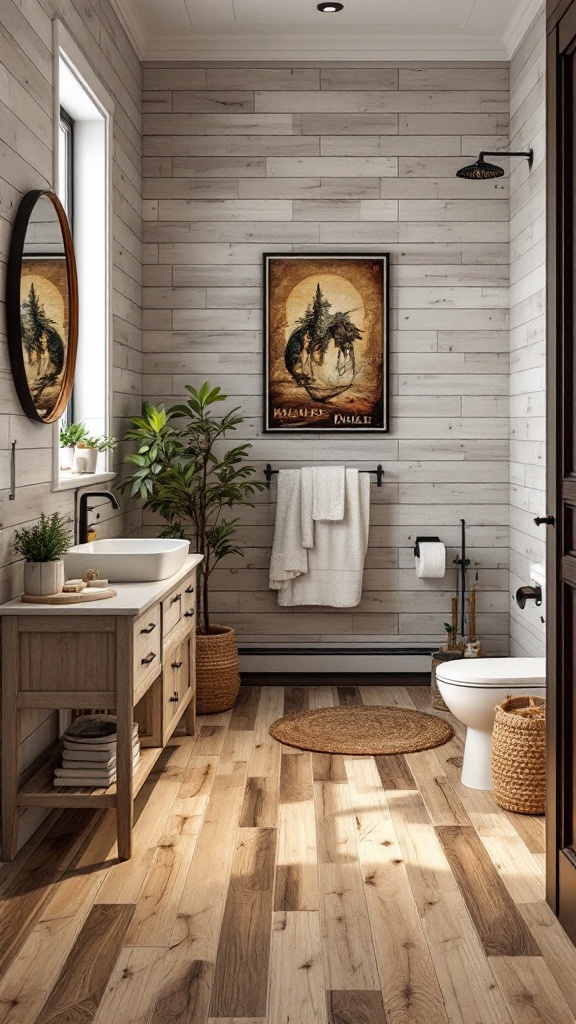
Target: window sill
<point>68,480</point>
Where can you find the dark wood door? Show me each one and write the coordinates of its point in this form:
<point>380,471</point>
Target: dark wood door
<point>561,568</point>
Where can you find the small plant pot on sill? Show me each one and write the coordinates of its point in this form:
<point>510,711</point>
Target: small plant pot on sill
<point>86,459</point>
<point>43,578</point>
<point>67,456</point>
<point>217,670</point>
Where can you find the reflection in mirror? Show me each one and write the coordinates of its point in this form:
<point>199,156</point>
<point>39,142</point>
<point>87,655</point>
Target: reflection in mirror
<point>43,331</point>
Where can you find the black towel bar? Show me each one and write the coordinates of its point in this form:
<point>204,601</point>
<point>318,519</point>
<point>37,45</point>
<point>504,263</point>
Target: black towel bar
<point>379,473</point>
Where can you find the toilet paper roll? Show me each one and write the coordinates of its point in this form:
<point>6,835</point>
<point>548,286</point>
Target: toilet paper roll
<point>431,565</point>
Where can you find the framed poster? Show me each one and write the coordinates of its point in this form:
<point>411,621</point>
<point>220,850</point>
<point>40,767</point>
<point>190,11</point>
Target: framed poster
<point>326,327</point>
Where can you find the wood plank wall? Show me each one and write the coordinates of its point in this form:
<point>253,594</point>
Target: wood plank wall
<point>26,145</point>
<point>527,331</point>
<point>244,159</point>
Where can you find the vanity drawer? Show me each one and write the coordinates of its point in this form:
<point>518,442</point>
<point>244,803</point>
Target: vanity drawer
<point>147,647</point>
<point>176,679</point>
<point>147,628</point>
<point>178,610</point>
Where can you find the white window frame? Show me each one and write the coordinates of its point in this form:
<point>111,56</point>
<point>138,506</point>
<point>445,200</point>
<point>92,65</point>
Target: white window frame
<point>65,50</point>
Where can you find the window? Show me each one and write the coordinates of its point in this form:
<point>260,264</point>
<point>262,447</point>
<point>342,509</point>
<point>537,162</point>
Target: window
<point>82,172</point>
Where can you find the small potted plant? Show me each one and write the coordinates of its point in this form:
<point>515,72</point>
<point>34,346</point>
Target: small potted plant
<point>42,546</point>
<point>87,452</point>
<point>70,436</point>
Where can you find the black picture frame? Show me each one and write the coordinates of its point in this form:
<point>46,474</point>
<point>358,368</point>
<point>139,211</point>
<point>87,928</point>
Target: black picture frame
<point>326,343</point>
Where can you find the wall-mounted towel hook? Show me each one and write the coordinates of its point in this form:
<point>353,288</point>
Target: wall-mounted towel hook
<point>424,540</point>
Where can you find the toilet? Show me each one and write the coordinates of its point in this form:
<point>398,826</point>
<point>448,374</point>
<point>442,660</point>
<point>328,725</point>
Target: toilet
<point>471,689</point>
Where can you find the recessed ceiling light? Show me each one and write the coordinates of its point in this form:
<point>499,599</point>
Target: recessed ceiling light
<point>330,8</point>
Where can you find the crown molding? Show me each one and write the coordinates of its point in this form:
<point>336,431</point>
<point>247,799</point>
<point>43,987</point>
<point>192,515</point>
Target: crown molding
<point>519,24</point>
<point>350,48</point>
<point>131,20</point>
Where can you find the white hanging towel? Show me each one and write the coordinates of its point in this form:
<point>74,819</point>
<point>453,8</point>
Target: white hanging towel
<point>289,557</point>
<point>329,493</point>
<point>336,562</point>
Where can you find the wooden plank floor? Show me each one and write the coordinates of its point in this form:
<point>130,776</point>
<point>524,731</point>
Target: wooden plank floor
<point>274,886</point>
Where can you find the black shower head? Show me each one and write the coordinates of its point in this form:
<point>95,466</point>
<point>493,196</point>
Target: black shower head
<point>483,171</point>
<point>480,171</point>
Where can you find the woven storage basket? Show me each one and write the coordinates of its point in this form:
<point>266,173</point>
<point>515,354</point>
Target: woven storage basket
<point>439,658</point>
<point>519,755</point>
<point>217,668</point>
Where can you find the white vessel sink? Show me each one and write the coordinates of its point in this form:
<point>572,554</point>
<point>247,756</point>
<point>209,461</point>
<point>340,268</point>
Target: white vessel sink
<point>129,560</point>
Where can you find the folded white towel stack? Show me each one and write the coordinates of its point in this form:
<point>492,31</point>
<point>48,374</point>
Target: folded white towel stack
<point>89,752</point>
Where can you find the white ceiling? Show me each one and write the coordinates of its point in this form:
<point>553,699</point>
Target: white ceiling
<point>296,30</point>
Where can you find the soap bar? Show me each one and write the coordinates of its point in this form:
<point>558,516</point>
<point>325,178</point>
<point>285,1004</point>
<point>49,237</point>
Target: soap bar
<point>73,587</point>
<point>98,584</point>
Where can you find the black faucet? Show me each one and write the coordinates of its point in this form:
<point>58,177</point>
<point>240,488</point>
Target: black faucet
<point>84,508</point>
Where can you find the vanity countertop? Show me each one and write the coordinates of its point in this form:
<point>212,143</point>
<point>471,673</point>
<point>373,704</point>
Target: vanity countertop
<point>131,598</point>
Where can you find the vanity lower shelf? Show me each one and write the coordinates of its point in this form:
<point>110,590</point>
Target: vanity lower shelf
<point>39,791</point>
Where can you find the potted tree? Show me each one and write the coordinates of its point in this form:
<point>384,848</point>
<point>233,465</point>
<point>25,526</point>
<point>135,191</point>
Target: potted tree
<point>183,473</point>
<point>87,450</point>
<point>42,546</point>
<point>70,436</point>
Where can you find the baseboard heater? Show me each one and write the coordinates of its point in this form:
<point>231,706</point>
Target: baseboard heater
<point>318,660</point>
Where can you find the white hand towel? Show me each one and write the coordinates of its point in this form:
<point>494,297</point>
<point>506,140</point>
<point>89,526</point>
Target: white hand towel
<point>289,558</point>
<point>336,562</point>
<point>306,507</point>
<point>329,493</point>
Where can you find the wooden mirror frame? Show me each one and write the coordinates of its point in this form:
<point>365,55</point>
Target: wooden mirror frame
<point>13,306</point>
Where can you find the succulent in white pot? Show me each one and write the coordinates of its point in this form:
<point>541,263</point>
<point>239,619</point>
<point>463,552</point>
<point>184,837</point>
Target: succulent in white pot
<point>42,546</point>
<point>87,452</point>
<point>70,436</point>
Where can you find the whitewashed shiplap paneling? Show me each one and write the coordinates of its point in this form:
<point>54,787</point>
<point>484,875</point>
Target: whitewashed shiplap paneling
<point>26,163</point>
<point>527,331</point>
<point>336,159</point>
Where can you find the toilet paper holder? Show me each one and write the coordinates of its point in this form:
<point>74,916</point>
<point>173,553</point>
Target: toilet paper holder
<point>524,594</point>
<point>422,540</point>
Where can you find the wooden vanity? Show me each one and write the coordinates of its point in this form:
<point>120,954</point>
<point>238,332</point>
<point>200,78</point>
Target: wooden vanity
<point>132,655</point>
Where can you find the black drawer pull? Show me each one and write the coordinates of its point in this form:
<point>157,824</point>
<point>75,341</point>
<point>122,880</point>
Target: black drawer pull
<point>174,699</point>
<point>151,626</point>
<point>190,590</point>
<point>177,597</point>
<point>148,659</point>
<point>188,615</point>
<point>177,664</point>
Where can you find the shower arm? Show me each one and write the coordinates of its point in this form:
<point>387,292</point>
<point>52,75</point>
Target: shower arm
<point>527,153</point>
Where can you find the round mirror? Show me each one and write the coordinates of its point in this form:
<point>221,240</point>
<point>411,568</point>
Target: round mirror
<point>42,306</point>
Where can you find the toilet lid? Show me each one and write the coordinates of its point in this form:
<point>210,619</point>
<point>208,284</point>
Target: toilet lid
<point>507,673</point>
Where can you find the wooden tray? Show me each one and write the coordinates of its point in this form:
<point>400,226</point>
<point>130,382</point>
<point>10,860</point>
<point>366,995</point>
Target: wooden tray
<point>90,594</point>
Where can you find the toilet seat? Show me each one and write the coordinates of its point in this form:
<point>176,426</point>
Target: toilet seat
<point>501,673</point>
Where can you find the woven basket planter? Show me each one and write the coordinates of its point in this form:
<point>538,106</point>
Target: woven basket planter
<point>217,670</point>
<point>519,755</point>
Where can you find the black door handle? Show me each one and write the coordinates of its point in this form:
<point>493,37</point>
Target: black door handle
<point>151,626</point>
<point>176,664</point>
<point>190,590</point>
<point>547,520</point>
<point>148,659</point>
<point>188,615</point>
<point>174,699</point>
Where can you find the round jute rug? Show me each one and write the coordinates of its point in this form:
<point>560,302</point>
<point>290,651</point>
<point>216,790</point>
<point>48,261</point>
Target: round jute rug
<point>362,730</point>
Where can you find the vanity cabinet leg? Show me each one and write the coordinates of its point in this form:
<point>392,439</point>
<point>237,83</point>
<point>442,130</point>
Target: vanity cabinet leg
<point>10,739</point>
<point>124,782</point>
<point>191,709</point>
<point>124,755</point>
